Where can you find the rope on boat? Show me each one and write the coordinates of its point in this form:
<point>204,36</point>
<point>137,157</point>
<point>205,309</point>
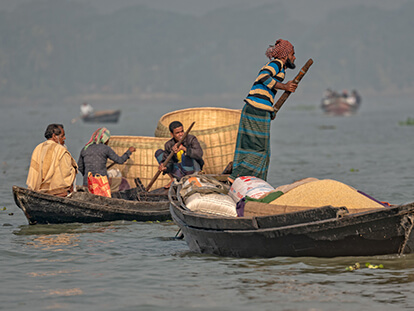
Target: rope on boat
<point>407,223</point>
<point>179,235</point>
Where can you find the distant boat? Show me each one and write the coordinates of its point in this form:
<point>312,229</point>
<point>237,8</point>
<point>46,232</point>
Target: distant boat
<point>103,116</point>
<point>334,104</point>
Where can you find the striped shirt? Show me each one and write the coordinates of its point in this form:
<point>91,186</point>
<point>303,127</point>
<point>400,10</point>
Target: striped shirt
<point>263,91</point>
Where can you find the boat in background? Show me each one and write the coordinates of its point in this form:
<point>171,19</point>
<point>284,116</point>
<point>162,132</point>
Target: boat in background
<point>102,116</point>
<point>335,104</point>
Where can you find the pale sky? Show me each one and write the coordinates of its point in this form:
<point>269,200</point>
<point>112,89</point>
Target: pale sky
<point>299,9</point>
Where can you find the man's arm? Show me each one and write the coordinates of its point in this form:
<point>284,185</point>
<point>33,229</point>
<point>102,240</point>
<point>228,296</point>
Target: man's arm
<point>68,169</point>
<point>272,77</point>
<point>194,149</point>
<point>116,158</point>
<point>81,165</point>
<point>289,86</point>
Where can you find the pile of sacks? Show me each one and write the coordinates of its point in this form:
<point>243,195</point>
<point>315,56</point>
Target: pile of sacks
<point>207,195</point>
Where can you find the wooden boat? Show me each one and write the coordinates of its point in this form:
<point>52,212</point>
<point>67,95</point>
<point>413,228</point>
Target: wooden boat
<point>339,106</point>
<point>319,232</point>
<point>103,116</point>
<point>84,207</point>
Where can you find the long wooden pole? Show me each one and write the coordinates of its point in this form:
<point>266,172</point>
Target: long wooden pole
<point>169,157</point>
<point>297,79</point>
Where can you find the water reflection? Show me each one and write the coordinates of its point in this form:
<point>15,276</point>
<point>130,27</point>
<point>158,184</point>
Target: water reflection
<point>68,228</point>
<point>65,292</point>
<point>55,242</point>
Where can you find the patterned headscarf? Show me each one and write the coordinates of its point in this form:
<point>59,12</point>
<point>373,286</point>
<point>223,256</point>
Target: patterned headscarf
<point>100,136</point>
<point>281,49</point>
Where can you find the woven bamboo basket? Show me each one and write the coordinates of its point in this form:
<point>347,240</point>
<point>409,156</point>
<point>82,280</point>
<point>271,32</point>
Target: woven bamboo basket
<point>142,162</point>
<point>216,128</point>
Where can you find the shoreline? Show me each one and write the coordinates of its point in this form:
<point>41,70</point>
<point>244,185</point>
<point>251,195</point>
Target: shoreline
<point>160,97</point>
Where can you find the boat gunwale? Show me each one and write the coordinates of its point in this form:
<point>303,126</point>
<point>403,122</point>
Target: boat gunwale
<point>134,206</point>
<point>327,224</point>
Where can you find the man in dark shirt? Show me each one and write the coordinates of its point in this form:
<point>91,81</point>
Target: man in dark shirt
<point>188,157</point>
<point>93,157</point>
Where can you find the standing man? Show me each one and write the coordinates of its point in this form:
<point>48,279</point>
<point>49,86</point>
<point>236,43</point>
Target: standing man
<point>252,154</point>
<point>52,168</point>
<point>188,157</point>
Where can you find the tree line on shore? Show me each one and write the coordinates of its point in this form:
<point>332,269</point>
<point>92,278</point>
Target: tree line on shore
<point>65,48</point>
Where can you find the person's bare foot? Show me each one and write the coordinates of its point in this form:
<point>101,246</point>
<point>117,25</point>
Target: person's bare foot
<point>168,185</point>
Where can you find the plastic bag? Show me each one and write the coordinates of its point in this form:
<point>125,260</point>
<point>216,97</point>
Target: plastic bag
<point>99,185</point>
<point>249,186</point>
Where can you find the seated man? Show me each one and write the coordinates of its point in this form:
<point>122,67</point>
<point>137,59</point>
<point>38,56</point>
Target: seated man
<point>52,168</point>
<point>188,157</point>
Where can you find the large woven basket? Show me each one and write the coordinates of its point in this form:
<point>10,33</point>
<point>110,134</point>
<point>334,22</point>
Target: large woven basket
<point>142,162</point>
<point>216,128</point>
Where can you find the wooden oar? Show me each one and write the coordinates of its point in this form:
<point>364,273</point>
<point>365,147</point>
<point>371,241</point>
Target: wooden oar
<point>169,157</point>
<point>297,79</point>
<point>110,165</point>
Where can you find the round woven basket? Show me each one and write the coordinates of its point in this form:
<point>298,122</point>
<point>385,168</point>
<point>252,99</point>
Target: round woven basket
<point>215,128</point>
<point>142,162</point>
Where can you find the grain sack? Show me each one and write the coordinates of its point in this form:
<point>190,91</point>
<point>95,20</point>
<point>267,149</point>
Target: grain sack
<point>326,192</point>
<point>249,186</point>
<point>285,188</point>
<point>201,184</point>
<point>214,203</point>
<point>206,195</point>
<point>216,128</point>
<point>288,187</point>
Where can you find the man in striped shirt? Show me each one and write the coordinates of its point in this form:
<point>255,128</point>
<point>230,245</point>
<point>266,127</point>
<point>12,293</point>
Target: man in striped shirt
<point>252,154</point>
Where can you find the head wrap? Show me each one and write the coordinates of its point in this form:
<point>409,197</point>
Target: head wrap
<point>100,136</point>
<point>281,49</point>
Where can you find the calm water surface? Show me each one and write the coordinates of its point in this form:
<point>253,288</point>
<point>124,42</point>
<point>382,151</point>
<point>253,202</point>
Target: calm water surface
<point>139,266</point>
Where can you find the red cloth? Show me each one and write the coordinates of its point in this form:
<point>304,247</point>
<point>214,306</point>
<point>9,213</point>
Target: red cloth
<point>281,49</point>
<point>99,185</point>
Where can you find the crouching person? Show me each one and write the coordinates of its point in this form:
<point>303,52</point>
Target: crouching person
<point>188,157</point>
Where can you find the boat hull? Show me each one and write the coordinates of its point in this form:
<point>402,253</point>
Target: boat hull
<point>338,107</point>
<point>336,233</point>
<point>104,117</point>
<point>86,208</point>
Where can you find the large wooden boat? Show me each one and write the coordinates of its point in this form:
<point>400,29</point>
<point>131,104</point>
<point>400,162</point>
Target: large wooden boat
<point>104,116</point>
<point>84,207</point>
<point>319,232</point>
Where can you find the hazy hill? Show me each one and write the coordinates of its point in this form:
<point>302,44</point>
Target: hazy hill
<point>50,47</point>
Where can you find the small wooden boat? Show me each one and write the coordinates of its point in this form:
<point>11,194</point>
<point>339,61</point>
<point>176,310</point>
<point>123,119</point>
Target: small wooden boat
<point>103,116</point>
<point>319,232</point>
<point>84,207</point>
<point>340,106</point>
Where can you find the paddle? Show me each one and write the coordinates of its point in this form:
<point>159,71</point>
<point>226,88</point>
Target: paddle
<point>110,165</point>
<point>297,79</point>
<point>169,157</point>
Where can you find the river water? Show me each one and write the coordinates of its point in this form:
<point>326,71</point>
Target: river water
<point>140,266</point>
